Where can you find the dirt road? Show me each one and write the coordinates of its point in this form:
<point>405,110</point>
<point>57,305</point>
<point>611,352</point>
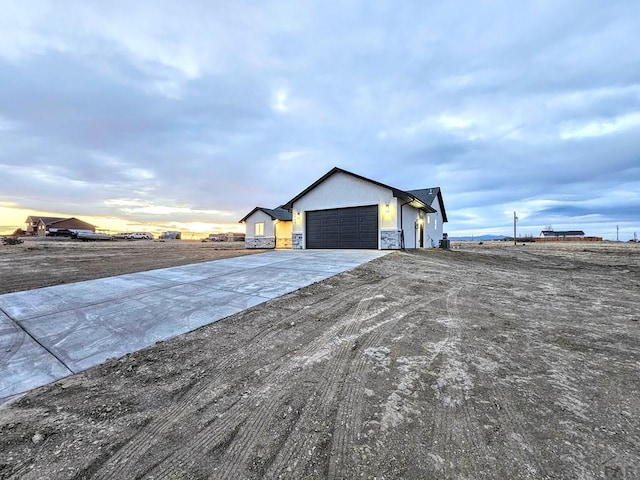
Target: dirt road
<point>484,362</point>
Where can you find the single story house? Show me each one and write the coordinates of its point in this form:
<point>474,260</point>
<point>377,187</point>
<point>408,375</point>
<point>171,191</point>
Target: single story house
<point>345,210</point>
<point>40,226</point>
<point>562,234</point>
<point>268,228</point>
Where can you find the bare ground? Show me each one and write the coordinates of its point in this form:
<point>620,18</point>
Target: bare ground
<point>42,262</point>
<point>483,362</point>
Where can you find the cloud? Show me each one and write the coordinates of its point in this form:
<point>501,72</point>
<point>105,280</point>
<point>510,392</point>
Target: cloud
<point>629,121</point>
<point>207,110</point>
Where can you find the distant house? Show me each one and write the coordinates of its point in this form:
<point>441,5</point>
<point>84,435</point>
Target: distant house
<point>40,226</point>
<point>268,228</point>
<point>562,234</point>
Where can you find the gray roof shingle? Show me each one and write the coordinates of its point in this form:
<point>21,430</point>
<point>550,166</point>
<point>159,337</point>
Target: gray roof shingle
<point>278,213</point>
<point>428,195</point>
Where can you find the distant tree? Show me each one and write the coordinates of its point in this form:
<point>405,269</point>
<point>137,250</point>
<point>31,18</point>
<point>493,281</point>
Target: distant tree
<point>18,232</point>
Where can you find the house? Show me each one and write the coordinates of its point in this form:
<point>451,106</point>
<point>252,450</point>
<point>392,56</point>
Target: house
<point>268,228</point>
<point>345,210</point>
<point>565,234</point>
<point>40,226</point>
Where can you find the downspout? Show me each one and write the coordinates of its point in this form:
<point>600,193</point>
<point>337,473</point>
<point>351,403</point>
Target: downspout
<point>275,235</point>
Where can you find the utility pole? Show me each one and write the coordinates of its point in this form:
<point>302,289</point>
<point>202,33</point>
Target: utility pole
<point>617,232</point>
<point>515,220</point>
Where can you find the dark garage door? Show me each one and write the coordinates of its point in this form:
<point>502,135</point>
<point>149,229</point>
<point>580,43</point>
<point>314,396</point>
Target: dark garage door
<point>355,227</point>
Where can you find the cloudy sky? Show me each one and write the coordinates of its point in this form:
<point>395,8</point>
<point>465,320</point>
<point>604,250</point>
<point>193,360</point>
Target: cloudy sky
<point>162,114</point>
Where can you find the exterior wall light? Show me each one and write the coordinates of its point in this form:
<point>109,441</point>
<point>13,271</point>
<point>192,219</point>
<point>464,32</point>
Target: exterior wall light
<point>386,208</point>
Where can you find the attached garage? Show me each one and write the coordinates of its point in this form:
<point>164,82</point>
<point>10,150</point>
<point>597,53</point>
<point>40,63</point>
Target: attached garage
<point>345,210</point>
<point>353,227</point>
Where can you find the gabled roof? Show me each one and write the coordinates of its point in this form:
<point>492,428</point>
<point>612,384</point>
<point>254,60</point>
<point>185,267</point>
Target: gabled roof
<point>428,195</point>
<point>396,191</point>
<point>278,213</point>
<point>51,221</point>
<point>77,220</point>
<point>45,220</point>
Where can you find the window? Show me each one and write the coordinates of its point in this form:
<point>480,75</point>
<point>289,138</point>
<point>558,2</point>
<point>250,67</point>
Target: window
<point>259,229</point>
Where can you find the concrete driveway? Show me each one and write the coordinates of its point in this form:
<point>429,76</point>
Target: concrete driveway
<point>50,333</point>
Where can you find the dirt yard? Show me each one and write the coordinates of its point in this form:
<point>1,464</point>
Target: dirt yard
<point>42,262</point>
<point>484,362</point>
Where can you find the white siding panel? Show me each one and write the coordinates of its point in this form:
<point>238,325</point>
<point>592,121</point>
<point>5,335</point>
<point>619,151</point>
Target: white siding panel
<point>340,191</point>
<point>257,217</point>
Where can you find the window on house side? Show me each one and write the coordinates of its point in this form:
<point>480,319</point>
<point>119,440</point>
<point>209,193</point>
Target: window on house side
<point>259,229</point>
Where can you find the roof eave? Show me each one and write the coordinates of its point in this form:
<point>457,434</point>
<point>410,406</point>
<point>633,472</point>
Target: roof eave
<point>244,219</point>
<point>395,191</point>
<point>444,212</point>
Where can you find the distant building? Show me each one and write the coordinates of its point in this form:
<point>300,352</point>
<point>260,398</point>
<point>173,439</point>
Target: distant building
<point>40,226</point>
<point>225,237</point>
<point>235,237</point>
<point>562,234</point>
<point>171,235</point>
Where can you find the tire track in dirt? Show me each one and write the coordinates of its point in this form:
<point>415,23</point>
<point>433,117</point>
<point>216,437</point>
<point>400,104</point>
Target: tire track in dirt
<point>294,453</point>
<point>349,414</point>
<point>505,413</point>
<point>344,455</point>
<point>297,453</point>
<point>348,361</point>
<point>454,424</point>
<point>509,423</point>
<point>129,460</point>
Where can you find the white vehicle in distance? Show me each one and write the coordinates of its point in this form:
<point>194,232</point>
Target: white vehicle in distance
<point>139,236</point>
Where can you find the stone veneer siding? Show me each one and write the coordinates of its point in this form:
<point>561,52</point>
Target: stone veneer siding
<point>390,240</point>
<point>260,242</point>
<point>297,241</point>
